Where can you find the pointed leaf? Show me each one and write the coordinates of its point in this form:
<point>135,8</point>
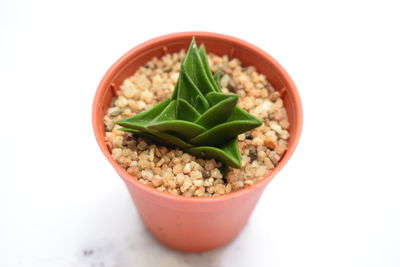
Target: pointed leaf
<point>175,92</point>
<point>196,69</point>
<point>228,154</point>
<point>204,61</point>
<point>141,119</point>
<point>217,79</point>
<point>179,128</point>
<point>143,134</point>
<point>170,139</point>
<point>159,137</point>
<point>185,111</point>
<point>214,98</point>
<point>239,122</point>
<point>169,113</point>
<point>220,111</point>
<point>201,104</point>
<point>188,89</point>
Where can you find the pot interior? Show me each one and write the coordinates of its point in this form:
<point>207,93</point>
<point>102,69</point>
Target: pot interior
<point>130,62</point>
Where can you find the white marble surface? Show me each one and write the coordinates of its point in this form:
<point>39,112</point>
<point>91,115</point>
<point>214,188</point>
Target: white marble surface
<point>335,204</point>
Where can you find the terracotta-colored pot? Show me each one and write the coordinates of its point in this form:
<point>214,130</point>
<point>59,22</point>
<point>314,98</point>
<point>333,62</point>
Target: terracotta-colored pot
<point>193,223</point>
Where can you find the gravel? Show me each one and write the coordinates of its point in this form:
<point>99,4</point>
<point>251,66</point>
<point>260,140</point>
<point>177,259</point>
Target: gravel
<point>173,171</point>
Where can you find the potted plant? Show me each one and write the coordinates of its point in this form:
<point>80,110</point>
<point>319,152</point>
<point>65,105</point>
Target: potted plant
<point>202,120</point>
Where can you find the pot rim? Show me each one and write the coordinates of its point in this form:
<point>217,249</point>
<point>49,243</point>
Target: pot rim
<point>295,135</point>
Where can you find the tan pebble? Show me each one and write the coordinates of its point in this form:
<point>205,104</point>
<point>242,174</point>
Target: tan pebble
<point>168,175</point>
<point>261,155</point>
<point>280,149</point>
<point>141,82</point>
<point>160,162</point>
<point>228,188</point>
<point>121,102</point>
<point>133,170</point>
<point>284,134</point>
<point>128,90</point>
<point>284,124</point>
<point>210,164</point>
<point>157,180</point>
<point>209,182</point>
<point>179,178</point>
<point>147,97</point>
<point>194,166</point>
<point>144,164</point>
<point>264,93</point>
<point>261,171</point>
<point>274,96</point>
<point>248,182</point>
<point>277,115</point>
<point>237,185</point>
<point>163,150</point>
<point>200,192</point>
<point>142,145</point>
<point>157,153</point>
<point>270,143</point>
<point>157,170</point>
<point>171,184</point>
<point>187,183</point>
<point>116,153</point>
<point>126,152</point>
<point>268,163</point>
<point>201,162</point>
<point>274,157</point>
<point>210,189</point>
<point>194,175</point>
<point>117,141</point>
<point>147,174</point>
<point>151,154</point>
<point>257,141</point>
<point>215,173</point>
<point>218,181</point>
<point>133,163</point>
<point>192,188</point>
<point>186,169</point>
<point>139,105</point>
<point>186,157</point>
<point>220,189</point>
<point>177,168</point>
<point>198,182</point>
<point>276,127</point>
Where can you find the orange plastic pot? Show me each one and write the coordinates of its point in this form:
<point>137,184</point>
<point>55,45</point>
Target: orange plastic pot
<point>195,224</point>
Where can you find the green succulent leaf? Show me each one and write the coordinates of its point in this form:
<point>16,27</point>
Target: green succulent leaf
<point>204,61</point>
<point>201,104</point>
<point>198,118</point>
<point>185,111</point>
<point>188,90</point>
<point>239,122</point>
<point>219,112</point>
<point>217,79</point>
<point>140,120</point>
<point>180,128</point>
<point>196,69</point>
<point>228,154</point>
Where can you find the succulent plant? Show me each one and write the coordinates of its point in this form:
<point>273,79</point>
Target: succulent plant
<point>198,118</point>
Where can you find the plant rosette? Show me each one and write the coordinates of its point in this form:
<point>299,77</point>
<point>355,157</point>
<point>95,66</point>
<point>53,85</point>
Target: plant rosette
<point>196,137</point>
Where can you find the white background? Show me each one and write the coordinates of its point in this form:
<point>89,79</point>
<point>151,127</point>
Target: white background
<point>336,203</point>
